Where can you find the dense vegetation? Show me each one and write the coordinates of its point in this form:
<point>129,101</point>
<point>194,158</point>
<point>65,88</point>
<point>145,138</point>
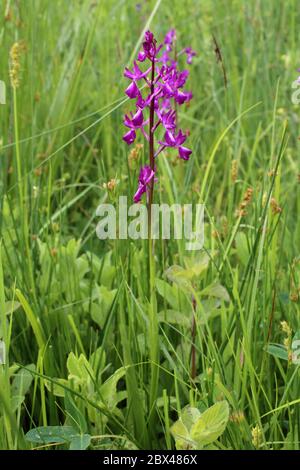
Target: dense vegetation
<point>86,358</point>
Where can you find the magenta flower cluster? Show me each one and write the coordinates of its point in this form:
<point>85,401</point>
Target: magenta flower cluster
<point>156,102</point>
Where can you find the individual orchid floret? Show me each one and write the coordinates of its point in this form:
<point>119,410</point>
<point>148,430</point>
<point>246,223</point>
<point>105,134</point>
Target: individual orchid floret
<point>173,140</point>
<point>190,54</point>
<point>184,152</point>
<point>183,96</point>
<point>145,177</point>
<point>136,74</point>
<point>170,38</point>
<point>129,137</point>
<point>134,122</point>
<point>168,119</point>
<point>132,91</point>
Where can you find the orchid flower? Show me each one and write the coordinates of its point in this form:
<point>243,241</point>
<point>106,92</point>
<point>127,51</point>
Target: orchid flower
<point>162,93</point>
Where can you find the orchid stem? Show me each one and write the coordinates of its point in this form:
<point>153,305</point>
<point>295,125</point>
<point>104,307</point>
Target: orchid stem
<point>152,305</point>
<point>193,349</point>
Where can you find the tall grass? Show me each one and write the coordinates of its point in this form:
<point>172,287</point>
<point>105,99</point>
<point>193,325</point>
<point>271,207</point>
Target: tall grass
<point>83,338</point>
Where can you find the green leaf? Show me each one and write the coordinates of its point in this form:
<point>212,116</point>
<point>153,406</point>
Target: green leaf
<point>55,387</point>
<point>242,247</point>
<point>20,386</point>
<point>181,436</point>
<point>174,317</point>
<point>169,293</point>
<point>22,380</point>
<point>75,416</point>
<point>11,306</point>
<point>48,434</point>
<point>80,442</point>
<point>100,311</point>
<point>216,290</point>
<point>108,391</point>
<point>181,277</point>
<point>211,424</point>
<point>198,266</point>
<point>189,416</point>
<point>79,369</point>
<point>277,350</point>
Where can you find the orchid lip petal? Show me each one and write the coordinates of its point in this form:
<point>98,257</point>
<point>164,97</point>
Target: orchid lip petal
<point>184,152</point>
<point>129,137</point>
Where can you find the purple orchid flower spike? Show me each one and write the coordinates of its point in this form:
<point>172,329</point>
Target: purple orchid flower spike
<point>162,94</point>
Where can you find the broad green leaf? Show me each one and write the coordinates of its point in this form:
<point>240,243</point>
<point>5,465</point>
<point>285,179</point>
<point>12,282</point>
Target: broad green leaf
<point>97,360</point>
<point>277,350</point>
<point>80,442</point>
<point>79,369</point>
<point>98,315</point>
<point>211,424</point>
<point>242,247</point>
<point>48,434</point>
<point>11,306</point>
<point>169,293</point>
<point>74,416</point>
<point>189,416</point>
<point>197,265</point>
<point>15,402</point>
<point>73,366</point>
<point>108,391</point>
<point>216,290</point>
<point>174,317</point>
<point>181,277</point>
<point>55,387</point>
<point>100,311</point>
<point>102,268</point>
<point>181,435</point>
<point>22,381</point>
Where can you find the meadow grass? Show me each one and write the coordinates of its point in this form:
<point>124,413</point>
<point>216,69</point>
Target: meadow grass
<point>87,347</point>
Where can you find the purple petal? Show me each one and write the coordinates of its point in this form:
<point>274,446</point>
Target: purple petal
<point>170,139</point>
<point>138,73</point>
<point>149,36</point>
<point>184,153</point>
<point>182,77</point>
<point>181,138</point>
<point>138,118</point>
<point>128,73</point>
<point>127,122</point>
<point>141,56</point>
<point>170,37</point>
<point>138,195</point>
<point>181,97</point>
<point>129,137</point>
<point>145,176</point>
<point>132,90</point>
